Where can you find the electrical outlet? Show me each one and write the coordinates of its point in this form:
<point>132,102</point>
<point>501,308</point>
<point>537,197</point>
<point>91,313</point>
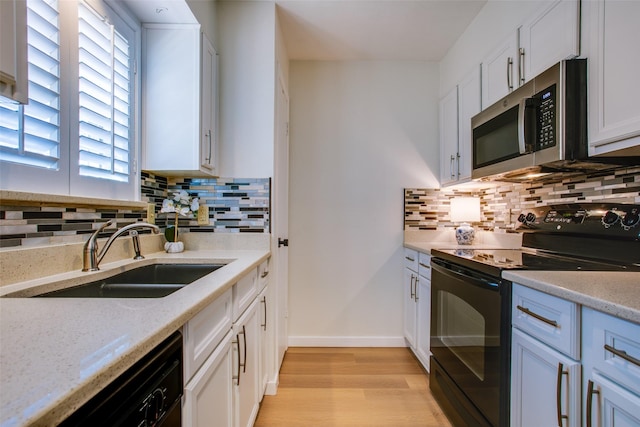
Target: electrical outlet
<point>203,215</point>
<point>151,213</point>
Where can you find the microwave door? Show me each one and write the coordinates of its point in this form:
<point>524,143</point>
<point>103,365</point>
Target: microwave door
<point>524,162</point>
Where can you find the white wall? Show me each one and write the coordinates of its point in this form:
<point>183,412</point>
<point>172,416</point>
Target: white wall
<point>360,133</point>
<point>246,35</point>
<point>496,21</point>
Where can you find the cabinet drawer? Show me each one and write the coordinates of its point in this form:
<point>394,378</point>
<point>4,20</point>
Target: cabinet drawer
<point>263,273</point>
<point>203,333</point>
<point>244,292</point>
<point>612,347</point>
<point>552,320</point>
<point>411,259</point>
<point>424,265</point>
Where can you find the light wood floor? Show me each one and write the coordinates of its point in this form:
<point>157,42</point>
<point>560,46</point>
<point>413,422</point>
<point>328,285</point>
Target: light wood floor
<point>351,387</point>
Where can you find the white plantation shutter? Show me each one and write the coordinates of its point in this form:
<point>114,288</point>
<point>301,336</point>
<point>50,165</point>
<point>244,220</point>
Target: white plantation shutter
<point>104,98</point>
<point>76,135</point>
<point>30,134</point>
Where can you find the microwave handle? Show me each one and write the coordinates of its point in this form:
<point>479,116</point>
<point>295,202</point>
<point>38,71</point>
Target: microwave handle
<point>522,143</point>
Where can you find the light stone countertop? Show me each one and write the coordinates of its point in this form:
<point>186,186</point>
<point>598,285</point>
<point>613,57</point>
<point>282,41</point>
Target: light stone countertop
<point>57,353</point>
<point>615,293</point>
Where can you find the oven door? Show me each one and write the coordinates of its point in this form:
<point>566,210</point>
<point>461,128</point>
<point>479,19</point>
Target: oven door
<point>469,337</point>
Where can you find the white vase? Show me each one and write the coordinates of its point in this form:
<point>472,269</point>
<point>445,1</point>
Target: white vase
<point>174,247</point>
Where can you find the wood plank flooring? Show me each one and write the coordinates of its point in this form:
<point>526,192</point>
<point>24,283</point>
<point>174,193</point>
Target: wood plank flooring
<point>351,387</point>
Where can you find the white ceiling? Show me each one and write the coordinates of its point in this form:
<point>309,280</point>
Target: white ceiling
<point>374,29</point>
<point>345,30</point>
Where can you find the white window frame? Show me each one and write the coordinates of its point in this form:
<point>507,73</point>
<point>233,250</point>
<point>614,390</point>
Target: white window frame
<point>67,179</point>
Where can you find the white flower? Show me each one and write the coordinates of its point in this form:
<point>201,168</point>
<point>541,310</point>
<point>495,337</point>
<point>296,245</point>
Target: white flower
<point>167,206</point>
<point>181,203</point>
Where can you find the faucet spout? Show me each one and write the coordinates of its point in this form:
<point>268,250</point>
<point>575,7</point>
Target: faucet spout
<point>91,256</point>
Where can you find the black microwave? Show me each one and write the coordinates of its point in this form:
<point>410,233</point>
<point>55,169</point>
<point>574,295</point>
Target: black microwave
<point>542,123</point>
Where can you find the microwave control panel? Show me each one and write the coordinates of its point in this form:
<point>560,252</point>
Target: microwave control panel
<point>546,118</point>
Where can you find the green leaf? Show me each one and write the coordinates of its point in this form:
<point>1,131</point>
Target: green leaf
<point>169,233</point>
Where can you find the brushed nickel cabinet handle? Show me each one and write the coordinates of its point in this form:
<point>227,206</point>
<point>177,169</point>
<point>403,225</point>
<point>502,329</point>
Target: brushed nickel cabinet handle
<point>264,325</point>
<point>425,266</point>
<point>623,354</point>
<point>453,159</point>
<point>537,316</point>
<point>413,292</point>
<point>416,292</point>
<point>590,392</point>
<point>458,164</point>
<point>244,336</point>
<point>409,259</point>
<point>521,66</point>
<point>237,343</point>
<point>264,274</point>
<point>561,372</point>
<point>509,72</point>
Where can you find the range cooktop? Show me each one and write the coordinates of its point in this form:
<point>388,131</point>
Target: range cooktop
<point>572,237</point>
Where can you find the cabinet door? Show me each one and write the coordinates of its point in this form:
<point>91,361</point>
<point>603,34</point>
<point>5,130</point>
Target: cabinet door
<point>246,356</point>
<point>267,339</point>
<point>614,61</point>
<point>469,104</point>
<point>498,71</point>
<point>423,318</point>
<point>208,396</point>
<point>545,385</point>
<point>550,37</point>
<point>209,108</point>
<point>609,405</point>
<point>449,137</point>
<point>409,284</point>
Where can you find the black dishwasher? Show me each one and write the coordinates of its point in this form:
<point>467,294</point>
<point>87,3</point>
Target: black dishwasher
<point>147,395</point>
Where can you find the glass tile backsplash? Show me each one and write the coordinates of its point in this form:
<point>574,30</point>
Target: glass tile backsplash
<point>235,206</point>
<point>428,209</point>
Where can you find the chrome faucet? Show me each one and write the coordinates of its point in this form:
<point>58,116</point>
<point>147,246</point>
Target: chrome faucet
<point>91,258</point>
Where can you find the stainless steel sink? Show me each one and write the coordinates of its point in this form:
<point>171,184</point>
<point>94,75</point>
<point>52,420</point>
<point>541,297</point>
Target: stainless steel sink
<point>149,281</point>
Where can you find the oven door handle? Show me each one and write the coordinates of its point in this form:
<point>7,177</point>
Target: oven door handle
<point>469,276</point>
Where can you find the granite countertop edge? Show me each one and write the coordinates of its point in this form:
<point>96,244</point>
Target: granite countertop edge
<point>615,293</point>
<point>61,353</point>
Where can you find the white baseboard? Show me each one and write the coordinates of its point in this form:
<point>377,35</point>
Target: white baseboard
<point>346,341</point>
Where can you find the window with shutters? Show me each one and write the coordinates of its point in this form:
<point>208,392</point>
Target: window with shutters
<point>76,135</point>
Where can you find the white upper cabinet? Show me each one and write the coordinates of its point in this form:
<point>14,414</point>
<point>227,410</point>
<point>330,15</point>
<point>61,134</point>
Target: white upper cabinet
<point>180,101</point>
<point>498,71</point>
<point>611,43</point>
<point>13,50</point>
<point>550,37</point>
<point>456,110</point>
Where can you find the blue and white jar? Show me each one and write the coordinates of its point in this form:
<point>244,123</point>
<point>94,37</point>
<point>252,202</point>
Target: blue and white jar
<point>465,234</point>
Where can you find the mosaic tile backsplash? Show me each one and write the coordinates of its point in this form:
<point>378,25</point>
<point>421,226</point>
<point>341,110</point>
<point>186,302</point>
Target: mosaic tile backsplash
<point>428,209</point>
<point>235,206</point>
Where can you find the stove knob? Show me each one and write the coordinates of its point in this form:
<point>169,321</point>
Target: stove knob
<point>610,218</point>
<point>530,217</point>
<point>631,219</point>
<point>522,218</point>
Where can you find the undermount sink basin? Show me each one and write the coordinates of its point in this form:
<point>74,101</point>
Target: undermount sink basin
<point>149,281</point>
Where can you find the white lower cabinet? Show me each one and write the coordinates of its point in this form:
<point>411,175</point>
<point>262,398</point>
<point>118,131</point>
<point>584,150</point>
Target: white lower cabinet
<point>611,383</point>
<point>545,385</point>
<point>545,365</point>
<point>229,353</point>
<point>246,360</point>
<point>267,339</point>
<point>208,392</point>
<point>549,383</point>
<point>417,304</point>
<point>208,397</point>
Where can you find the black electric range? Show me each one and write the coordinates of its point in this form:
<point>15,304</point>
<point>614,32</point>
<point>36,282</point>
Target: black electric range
<point>572,237</point>
<point>471,301</point>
